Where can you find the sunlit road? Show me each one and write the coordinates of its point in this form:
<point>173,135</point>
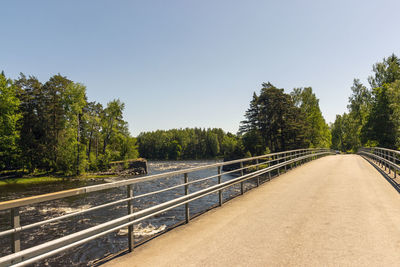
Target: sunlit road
<point>335,211</point>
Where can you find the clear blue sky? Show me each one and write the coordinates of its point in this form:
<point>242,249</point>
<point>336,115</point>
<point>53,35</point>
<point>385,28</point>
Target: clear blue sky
<point>196,63</point>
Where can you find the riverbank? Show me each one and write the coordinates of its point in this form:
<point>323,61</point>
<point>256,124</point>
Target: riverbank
<point>117,169</point>
<point>29,180</point>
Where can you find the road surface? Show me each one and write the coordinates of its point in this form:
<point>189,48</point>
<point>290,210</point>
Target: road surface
<point>335,211</point>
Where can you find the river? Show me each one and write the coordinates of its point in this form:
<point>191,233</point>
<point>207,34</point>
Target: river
<point>90,252</point>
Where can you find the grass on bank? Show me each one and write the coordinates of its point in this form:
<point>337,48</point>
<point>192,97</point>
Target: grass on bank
<point>28,180</point>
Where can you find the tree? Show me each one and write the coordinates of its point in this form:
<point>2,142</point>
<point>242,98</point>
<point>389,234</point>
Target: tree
<point>9,116</point>
<point>317,134</point>
<point>112,116</point>
<point>54,115</point>
<point>385,72</point>
<point>252,121</point>
<point>359,102</point>
<point>59,129</point>
<point>92,125</point>
<point>394,104</point>
<point>33,124</point>
<point>345,133</point>
<point>273,122</point>
<point>71,156</point>
<point>380,127</point>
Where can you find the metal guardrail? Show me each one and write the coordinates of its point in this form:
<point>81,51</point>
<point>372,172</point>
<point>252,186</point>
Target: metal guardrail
<point>385,158</point>
<point>249,168</point>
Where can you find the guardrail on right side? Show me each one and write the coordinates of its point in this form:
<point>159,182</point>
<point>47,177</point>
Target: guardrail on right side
<point>383,157</point>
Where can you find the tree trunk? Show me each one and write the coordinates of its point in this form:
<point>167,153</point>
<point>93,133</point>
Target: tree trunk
<point>78,139</point>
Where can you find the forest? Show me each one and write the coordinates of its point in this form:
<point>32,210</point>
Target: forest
<point>53,127</point>
<point>189,143</point>
<point>275,121</point>
<point>373,117</point>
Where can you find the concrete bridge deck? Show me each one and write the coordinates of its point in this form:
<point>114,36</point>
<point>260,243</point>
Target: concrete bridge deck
<point>335,211</point>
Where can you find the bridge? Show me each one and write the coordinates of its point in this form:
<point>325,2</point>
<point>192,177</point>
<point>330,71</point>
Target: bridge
<point>324,209</point>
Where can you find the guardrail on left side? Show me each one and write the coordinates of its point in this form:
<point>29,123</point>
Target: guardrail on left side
<point>248,168</point>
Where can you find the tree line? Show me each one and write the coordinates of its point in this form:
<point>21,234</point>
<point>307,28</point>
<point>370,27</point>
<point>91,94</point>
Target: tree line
<point>373,117</point>
<point>275,121</point>
<point>52,126</point>
<point>189,143</point>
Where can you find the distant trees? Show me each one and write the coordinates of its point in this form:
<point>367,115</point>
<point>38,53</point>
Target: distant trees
<point>276,121</point>
<point>189,143</point>
<point>52,127</point>
<point>373,116</point>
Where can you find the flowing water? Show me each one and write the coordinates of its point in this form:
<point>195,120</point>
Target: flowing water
<point>88,253</point>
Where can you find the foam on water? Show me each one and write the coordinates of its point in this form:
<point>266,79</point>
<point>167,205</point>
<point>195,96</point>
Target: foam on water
<point>147,230</point>
<point>63,210</point>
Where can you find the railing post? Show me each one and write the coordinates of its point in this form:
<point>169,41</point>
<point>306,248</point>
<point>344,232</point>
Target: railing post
<point>269,173</point>
<point>277,162</point>
<point>15,238</point>
<point>241,174</point>
<point>187,215</point>
<point>258,177</point>
<point>385,157</point>
<point>284,160</point>
<point>380,160</point>
<point>131,235</point>
<point>383,161</point>
<point>219,181</point>
<point>395,163</point>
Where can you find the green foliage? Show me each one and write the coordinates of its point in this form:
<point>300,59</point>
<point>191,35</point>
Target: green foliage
<point>189,143</point>
<point>374,114</point>
<point>379,126</point>
<point>317,130</point>
<point>276,121</point>
<point>52,127</point>
<point>9,116</point>
<point>344,133</point>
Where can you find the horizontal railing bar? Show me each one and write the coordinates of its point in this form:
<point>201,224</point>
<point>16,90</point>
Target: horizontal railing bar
<point>383,149</point>
<point>386,155</point>
<point>63,243</point>
<point>65,216</point>
<point>383,159</point>
<point>82,241</point>
<point>26,227</point>
<point>88,189</point>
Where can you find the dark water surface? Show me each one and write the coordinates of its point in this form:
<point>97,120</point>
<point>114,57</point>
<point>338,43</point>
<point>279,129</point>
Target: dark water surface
<point>112,243</point>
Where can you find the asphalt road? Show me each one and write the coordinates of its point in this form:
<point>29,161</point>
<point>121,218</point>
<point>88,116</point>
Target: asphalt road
<point>335,211</point>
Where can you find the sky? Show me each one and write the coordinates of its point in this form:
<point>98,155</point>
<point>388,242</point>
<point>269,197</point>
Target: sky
<point>188,63</point>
